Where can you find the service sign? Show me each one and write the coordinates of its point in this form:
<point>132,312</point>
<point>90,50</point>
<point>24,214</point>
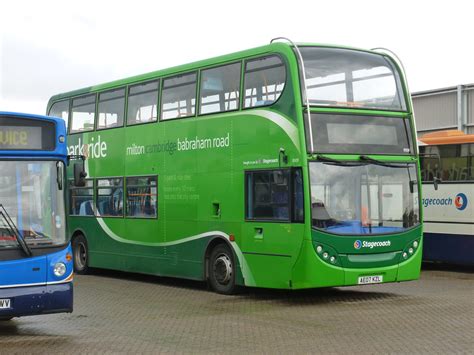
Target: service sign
<point>20,138</point>
<point>17,133</point>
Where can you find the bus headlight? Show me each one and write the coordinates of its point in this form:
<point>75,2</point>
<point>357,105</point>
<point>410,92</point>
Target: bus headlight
<point>59,269</point>
<point>410,249</point>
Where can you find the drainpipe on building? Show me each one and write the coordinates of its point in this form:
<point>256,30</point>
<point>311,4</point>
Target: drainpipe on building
<point>461,109</point>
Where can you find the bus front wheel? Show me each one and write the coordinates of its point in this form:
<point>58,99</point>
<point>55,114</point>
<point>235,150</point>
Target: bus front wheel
<point>80,253</point>
<point>222,270</point>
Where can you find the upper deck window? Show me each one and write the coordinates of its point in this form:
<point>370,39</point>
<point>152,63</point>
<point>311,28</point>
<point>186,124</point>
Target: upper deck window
<point>264,81</point>
<point>111,109</point>
<point>178,97</point>
<point>142,103</point>
<point>60,109</point>
<point>83,114</point>
<point>349,78</point>
<point>220,89</point>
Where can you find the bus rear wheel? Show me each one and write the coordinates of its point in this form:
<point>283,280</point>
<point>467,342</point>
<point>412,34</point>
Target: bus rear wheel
<point>221,270</point>
<point>80,253</point>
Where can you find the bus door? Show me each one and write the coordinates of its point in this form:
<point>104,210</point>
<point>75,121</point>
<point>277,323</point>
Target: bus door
<point>272,231</point>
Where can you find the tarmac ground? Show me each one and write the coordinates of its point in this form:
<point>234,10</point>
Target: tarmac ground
<point>128,313</point>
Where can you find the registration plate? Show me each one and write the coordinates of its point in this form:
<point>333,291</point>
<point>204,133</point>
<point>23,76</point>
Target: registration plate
<point>376,279</point>
<point>5,303</point>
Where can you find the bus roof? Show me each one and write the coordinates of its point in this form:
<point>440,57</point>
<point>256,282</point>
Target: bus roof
<point>273,47</point>
<point>452,136</point>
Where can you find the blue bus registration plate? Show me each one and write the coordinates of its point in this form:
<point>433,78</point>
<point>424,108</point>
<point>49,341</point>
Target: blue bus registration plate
<point>4,303</point>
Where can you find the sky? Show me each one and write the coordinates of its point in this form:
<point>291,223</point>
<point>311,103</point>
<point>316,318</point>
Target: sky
<point>48,47</point>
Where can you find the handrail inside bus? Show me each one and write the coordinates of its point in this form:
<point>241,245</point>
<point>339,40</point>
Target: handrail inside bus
<point>300,57</point>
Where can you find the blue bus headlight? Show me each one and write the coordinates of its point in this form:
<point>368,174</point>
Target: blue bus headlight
<point>59,269</point>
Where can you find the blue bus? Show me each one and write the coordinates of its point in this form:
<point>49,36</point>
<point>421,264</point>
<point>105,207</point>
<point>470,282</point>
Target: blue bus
<point>36,268</point>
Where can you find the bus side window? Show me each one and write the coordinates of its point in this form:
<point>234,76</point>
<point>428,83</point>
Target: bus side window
<point>220,89</point>
<point>264,81</point>
<point>178,96</point>
<point>142,103</point>
<point>297,201</point>
<point>268,195</point>
<point>81,199</point>
<point>111,109</point>
<point>60,109</point>
<point>109,197</point>
<point>142,193</point>
<point>470,161</point>
<point>83,114</point>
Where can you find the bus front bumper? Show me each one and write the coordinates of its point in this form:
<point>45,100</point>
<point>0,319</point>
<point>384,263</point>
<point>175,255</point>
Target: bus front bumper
<point>34,300</point>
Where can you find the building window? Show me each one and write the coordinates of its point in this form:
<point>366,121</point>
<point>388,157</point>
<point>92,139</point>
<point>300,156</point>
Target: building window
<point>109,200</point>
<point>220,89</point>
<point>264,81</point>
<point>142,193</point>
<point>81,199</point>
<point>178,97</point>
<point>83,114</point>
<point>111,109</point>
<point>142,103</point>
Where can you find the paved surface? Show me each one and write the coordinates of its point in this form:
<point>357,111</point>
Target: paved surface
<point>128,313</point>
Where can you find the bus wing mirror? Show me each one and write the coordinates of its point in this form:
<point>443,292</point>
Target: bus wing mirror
<point>436,181</point>
<point>79,170</point>
<point>79,174</point>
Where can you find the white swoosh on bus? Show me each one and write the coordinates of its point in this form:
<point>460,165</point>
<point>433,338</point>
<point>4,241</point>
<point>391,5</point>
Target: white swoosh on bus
<point>283,122</point>
<point>248,276</point>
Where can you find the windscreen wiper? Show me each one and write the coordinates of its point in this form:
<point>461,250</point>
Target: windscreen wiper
<point>367,159</point>
<point>325,159</point>
<point>14,230</point>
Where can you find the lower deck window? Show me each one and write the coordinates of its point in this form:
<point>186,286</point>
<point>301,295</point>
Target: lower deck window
<point>142,196</point>
<point>81,199</point>
<point>109,201</point>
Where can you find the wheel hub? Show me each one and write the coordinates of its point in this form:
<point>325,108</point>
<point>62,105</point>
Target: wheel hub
<point>223,269</point>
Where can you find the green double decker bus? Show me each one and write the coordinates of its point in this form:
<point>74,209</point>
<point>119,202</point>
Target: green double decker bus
<point>284,166</point>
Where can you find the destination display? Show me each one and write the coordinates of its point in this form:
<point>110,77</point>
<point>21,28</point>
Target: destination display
<point>24,134</point>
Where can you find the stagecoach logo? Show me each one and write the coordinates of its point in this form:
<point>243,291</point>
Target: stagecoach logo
<point>357,244</point>
<point>460,201</point>
<point>365,244</point>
